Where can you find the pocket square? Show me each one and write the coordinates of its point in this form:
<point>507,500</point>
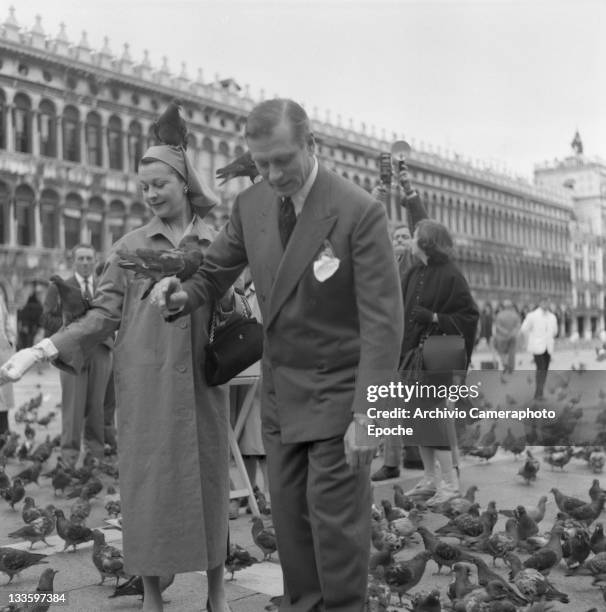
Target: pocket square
<point>327,263</point>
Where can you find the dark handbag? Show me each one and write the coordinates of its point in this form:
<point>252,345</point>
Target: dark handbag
<point>232,347</point>
<point>445,352</point>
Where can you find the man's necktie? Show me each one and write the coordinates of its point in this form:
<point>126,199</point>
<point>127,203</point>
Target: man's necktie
<point>87,292</point>
<point>287,220</point>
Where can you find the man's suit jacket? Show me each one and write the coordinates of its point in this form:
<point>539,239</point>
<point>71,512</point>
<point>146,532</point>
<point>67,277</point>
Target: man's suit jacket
<point>320,337</point>
<point>52,312</point>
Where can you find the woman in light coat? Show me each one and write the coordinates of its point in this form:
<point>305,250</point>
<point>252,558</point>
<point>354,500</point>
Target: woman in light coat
<point>172,427</point>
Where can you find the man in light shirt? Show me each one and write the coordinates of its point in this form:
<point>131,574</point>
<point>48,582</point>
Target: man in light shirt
<point>540,327</point>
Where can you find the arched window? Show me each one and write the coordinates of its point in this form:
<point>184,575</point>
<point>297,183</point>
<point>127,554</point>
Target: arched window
<point>71,131</point>
<point>49,211</point>
<point>24,213</point>
<point>72,216</point>
<point>2,120</point>
<point>93,139</point>
<point>116,220</point>
<point>94,222</point>
<point>4,213</point>
<point>23,123</point>
<point>114,142</point>
<point>47,127</point>
<point>135,145</point>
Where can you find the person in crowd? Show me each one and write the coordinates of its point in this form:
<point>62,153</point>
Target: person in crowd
<point>323,267</point>
<point>540,328</point>
<point>81,394</point>
<point>7,348</point>
<point>172,427</point>
<point>28,321</point>
<point>250,441</point>
<point>437,300</point>
<point>401,239</point>
<point>486,322</point>
<point>506,329</point>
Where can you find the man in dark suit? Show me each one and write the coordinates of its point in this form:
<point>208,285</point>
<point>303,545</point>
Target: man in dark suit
<point>326,278</point>
<point>82,394</point>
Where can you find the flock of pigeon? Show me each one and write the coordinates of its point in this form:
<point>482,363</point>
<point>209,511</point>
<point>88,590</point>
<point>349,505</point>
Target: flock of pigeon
<point>517,564</point>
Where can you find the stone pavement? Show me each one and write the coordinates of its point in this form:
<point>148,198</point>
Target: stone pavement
<point>252,588</point>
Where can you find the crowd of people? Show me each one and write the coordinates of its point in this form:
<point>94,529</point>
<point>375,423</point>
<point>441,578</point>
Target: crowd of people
<point>338,298</point>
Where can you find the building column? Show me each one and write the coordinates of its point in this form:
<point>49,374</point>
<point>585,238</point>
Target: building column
<point>10,129</point>
<point>83,149</point>
<point>61,227</point>
<point>59,136</point>
<point>37,222</point>
<point>35,133</point>
<point>104,145</point>
<point>125,160</point>
<point>12,221</point>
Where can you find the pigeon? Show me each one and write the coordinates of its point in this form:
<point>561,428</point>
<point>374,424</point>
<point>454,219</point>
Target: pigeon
<point>566,503</point>
<point>536,514</point>
<point>530,468</point>
<point>441,552</point>
<point>29,511</point>
<point>596,566</point>
<point>597,542</point>
<point>5,481</point>
<point>264,538</point>
<point>73,304</point>
<point>43,451</point>
<point>31,474</point>
<point>461,585</point>
<point>485,452</point>
<point>15,494</point>
<point>594,490</point>
<point>80,509</point>
<point>71,533</point>
<point>45,585</point>
<point>526,526</point>
<point>32,533</point>
<point>559,458</point>
<point>588,512</point>
<point>576,549</point>
<point>489,438</point>
<point>13,561</point>
<point>30,432</point>
<point>113,508</point>
<point>60,481</point>
<point>241,166</point>
<point>237,559</point>
<point>156,264</point>
<point>391,513</point>
<point>486,575</point>
<point>400,500</point>
<point>546,558</point>
<point>458,505</point>
<point>134,586</point>
<point>108,559</point>
<point>531,583</point>
<point>170,127</point>
<point>426,602</point>
<point>46,419</point>
<point>402,576</point>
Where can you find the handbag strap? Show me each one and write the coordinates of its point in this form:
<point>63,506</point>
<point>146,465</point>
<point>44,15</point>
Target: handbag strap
<point>214,322</point>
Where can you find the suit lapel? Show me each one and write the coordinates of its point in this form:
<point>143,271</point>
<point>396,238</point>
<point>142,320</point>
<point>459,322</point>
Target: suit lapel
<point>313,225</point>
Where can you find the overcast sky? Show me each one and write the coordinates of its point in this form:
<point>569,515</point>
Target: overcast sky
<point>506,80</point>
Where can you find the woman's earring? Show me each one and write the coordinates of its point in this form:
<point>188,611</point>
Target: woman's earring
<point>186,189</point>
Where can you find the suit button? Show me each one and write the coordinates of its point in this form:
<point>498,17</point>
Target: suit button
<point>183,325</point>
<point>181,369</point>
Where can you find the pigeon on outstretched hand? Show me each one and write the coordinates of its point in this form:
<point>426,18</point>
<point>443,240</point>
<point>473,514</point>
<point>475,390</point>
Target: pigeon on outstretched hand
<point>241,166</point>
<point>181,262</point>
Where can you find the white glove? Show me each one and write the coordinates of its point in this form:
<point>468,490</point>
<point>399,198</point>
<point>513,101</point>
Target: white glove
<point>24,359</point>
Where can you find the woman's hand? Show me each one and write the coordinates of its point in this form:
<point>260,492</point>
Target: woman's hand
<point>168,295</point>
<point>422,315</point>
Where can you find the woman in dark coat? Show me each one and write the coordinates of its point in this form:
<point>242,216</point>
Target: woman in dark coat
<point>437,300</point>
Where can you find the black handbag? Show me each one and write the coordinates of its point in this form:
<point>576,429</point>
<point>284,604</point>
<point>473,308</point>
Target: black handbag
<point>232,347</point>
<point>445,352</point>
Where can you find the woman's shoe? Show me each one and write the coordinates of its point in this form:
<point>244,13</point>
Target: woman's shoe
<point>423,488</point>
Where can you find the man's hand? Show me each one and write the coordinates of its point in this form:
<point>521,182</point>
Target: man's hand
<point>422,315</point>
<point>168,295</point>
<point>19,364</point>
<point>359,446</point>
<point>404,180</point>
<point>380,193</point>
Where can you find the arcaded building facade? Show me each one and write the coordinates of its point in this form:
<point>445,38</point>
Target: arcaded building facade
<point>75,121</point>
